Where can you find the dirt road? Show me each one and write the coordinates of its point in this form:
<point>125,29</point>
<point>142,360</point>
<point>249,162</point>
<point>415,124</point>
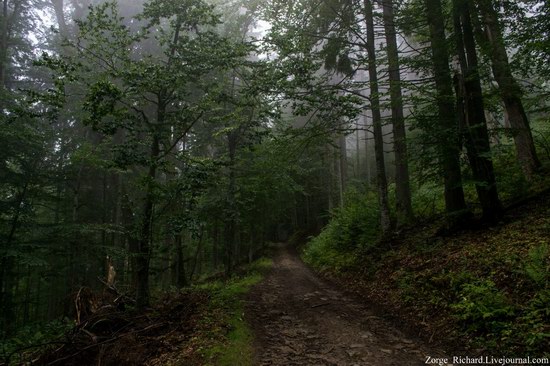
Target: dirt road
<point>298,319</point>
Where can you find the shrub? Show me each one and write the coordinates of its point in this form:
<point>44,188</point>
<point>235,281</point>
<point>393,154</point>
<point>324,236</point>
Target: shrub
<point>427,199</point>
<point>352,228</point>
<point>535,332</point>
<point>537,267</point>
<point>33,339</point>
<point>482,307</point>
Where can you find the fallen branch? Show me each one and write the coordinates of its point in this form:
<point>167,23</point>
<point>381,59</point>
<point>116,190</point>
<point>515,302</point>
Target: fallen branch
<point>152,326</point>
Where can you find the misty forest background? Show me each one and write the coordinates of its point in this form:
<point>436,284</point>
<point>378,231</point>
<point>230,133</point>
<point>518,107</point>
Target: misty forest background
<point>149,145</point>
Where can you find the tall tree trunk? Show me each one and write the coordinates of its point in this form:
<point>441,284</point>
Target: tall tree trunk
<point>180,276</point>
<point>7,270</point>
<point>4,37</point>
<point>447,130</point>
<point>230,224</point>
<point>196,258</point>
<point>357,173</point>
<point>307,209</point>
<point>343,164</point>
<point>144,245</point>
<point>403,202</point>
<point>469,91</point>
<point>329,177</point>
<point>368,169</point>
<point>510,92</point>
<point>215,239</point>
<point>58,7</point>
<point>28,293</point>
<point>337,161</point>
<point>381,179</point>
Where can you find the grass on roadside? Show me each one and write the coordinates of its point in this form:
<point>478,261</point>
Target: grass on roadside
<point>227,339</point>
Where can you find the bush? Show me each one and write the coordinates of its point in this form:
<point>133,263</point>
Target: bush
<point>482,307</point>
<point>535,330</point>
<point>510,179</point>
<point>537,267</point>
<point>33,339</point>
<point>352,228</point>
<point>427,199</point>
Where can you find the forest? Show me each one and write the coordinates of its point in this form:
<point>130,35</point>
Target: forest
<point>279,182</point>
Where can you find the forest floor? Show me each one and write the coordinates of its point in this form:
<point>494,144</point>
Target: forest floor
<point>299,319</point>
<point>485,290</point>
<point>480,291</point>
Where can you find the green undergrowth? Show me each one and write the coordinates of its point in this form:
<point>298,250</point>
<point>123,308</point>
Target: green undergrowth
<point>31,338</point>
<point>202,325</point>
<point>226,339</point>
<point>487,288</point>
<point>352,229</point>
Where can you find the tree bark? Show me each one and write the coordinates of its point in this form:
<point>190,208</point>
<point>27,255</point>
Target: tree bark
<point>196,258</point>
<point>329,177</point>
<point>510,92</point>
<point>337,161</point>
<point>180,276</point>
<point>471,109</point>
<point>58,7</point>
<point>230,224</point>
<point>4,37</point>
<point>381,179</point>
<point>447,129</point>
<point>215,239</point>
<point>144,248</point>
<point>403,202</point>
<point>343,166</point>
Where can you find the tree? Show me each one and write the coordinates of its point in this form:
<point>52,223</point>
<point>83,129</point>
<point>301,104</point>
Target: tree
<point>381,179</point>
<point>510,92</point>
<point>447,131</point>
<point>404,210</point>
<point>472,113</point>
<point>155,98</point>
<point>24,156</point>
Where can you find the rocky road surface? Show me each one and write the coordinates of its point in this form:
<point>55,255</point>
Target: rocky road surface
<point>299,319</point>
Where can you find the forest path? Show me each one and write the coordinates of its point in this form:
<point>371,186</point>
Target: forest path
<point>299,319</point>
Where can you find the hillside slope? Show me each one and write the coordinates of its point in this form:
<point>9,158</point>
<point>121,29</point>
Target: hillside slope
<point>484,289</point>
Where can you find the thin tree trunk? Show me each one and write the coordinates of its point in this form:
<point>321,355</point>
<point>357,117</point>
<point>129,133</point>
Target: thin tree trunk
<point>447,131</point>
<point>215,238</point>
<point>308,219</point>
<point>144,250</point>
<point>368,173</point>
<point>357,151</point>
<point>230,225</point>
<point>196,258</point>
<point>180,277</point>
<point>381,179</point>
<point>343,166</point>
<point>4,37</point>
<point>338,175</point>
<point>252,246</point>
<point>39,300</point>
<point>27,301</point>
<point>329,178</point>
<point>510,91</point>
<point>473,113</point>
<point>403,202</point>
